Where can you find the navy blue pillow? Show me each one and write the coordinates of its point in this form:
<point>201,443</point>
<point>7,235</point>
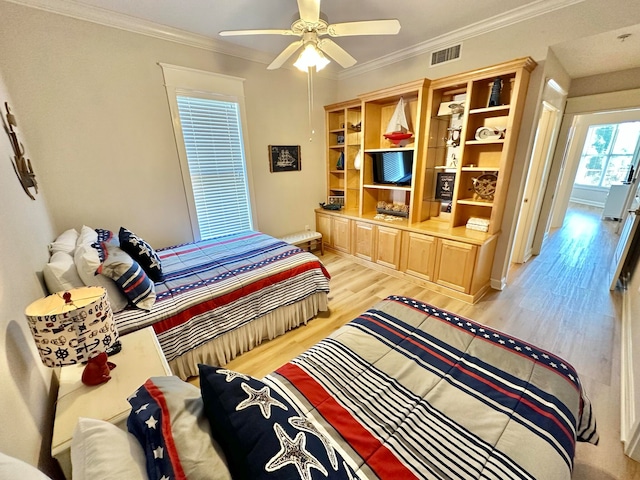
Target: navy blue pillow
<point>142,253</point>
<point>262,434</point>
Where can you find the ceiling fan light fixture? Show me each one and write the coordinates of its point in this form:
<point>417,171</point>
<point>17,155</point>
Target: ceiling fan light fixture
<point>311,56</point>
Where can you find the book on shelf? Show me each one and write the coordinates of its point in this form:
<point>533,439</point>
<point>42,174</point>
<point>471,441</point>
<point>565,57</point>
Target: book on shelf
<point>478,224</point>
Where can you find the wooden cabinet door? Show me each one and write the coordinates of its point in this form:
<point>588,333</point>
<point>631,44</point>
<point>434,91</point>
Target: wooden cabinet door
<point>323,226</point>
<point>362,237</point>
<point>340,234</point>
<point>388,251</point>
<point>455,265</point>
<point>418,256</point>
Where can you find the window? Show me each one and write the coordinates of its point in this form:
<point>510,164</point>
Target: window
<point>213,143</point>
<point>208,117</point>
<point>608,153</point>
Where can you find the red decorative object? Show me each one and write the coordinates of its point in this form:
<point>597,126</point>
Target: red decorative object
<point>97,370</point>
<point>397,137</point>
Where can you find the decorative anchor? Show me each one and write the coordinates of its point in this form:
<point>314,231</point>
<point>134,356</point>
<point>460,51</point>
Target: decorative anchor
<point>22,166</point>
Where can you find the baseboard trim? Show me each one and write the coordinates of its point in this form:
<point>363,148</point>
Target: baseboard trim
<point>499,284</point>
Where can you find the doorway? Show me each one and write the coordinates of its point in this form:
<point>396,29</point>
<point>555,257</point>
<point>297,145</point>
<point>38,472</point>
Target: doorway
<point>578,158</point>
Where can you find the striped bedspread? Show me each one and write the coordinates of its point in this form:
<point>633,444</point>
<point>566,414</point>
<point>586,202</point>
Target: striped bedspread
<point>411,391</point>
<point>215,286</point>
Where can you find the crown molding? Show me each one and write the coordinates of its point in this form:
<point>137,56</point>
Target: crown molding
<point>534,9</point>
<point>109,18</point>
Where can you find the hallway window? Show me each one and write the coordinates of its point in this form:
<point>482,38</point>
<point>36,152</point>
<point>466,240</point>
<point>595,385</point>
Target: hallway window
<point>608,153</point>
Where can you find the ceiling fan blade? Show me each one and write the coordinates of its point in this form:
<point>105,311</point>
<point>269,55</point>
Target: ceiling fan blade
<point>367,27</point>
<point>233,33</point>
<point>284,55</point>
<point>309,10</point>
<point>336,52</point>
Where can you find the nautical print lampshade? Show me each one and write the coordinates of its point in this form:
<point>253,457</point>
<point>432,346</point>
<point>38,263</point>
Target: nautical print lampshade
<point>72,327</point>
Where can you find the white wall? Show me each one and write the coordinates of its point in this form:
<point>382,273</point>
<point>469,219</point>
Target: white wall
<point>25,405</point>
<point>606,82</point>
<point>95,96</point>
<point>589,196</point>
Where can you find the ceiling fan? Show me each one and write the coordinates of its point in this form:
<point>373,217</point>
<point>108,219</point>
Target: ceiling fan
<point>310,27</point>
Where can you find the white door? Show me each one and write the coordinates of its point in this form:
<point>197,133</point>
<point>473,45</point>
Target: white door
<point>536,182</point>
<point>624,244</point>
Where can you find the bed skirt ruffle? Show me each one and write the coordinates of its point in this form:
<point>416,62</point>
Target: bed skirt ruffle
<point>225,348</point>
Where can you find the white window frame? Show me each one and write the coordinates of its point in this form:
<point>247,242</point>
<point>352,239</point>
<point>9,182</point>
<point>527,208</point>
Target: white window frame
<point>199,83</point>
<point>609,155</point>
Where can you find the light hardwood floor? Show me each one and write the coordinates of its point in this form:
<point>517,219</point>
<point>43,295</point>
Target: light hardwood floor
<point>559,300</point>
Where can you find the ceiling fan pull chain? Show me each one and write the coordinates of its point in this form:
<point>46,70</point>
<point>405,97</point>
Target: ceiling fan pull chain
<point>310,100</point>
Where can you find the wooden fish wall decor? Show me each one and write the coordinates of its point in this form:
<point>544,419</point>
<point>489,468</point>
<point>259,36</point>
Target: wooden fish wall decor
<point>21,165</point>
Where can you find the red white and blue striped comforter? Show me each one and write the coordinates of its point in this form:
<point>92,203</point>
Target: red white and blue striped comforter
<point>411,391</point>
<point>212,287</point>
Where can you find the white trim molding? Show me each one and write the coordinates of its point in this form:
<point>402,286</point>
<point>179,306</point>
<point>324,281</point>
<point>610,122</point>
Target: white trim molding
<point>128,23</point>
<point>499,284</point>
<point>109,18</point>
<point>454,37</point>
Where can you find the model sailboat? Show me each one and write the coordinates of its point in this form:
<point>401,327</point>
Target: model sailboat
<point>398,128</point>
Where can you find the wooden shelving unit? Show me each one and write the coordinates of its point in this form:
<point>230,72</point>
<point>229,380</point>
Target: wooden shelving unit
<point>477,157</point>
<point>377,109</point>
<point>432,245</point>
<point>343,144</point>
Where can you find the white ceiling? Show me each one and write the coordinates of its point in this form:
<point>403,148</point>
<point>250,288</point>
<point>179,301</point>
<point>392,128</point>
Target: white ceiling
<point>421,26</point>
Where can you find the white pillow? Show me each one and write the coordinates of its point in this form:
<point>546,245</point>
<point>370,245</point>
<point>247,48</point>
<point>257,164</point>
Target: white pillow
<point>66,242</point>
<point>100,450</point>
<point>60,274</point>
<point>87,262</point>
<point>13,468</point>
<point>87,236</point>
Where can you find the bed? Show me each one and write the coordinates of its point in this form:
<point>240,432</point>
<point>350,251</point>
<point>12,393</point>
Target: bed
<point>412,391</point>
<point>207,301</point>
<point>406,390</point>
<point>221,297</point>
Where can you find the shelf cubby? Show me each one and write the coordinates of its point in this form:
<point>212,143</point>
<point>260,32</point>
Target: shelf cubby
<point>343,139</point>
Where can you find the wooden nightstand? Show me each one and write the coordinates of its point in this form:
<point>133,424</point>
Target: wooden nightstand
<point>141,357</point>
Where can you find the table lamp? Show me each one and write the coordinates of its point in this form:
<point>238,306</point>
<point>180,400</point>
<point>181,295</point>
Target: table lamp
<point>75,326</point>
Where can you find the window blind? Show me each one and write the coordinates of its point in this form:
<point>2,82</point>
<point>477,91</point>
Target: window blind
<point>213,141</point>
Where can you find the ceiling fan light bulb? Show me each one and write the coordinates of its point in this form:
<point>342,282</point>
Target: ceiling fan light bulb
<point>322,62</point>
<point>311,57</point>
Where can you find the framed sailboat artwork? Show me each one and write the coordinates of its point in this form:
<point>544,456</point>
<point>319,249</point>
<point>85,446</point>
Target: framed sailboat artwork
<point>284,158</point>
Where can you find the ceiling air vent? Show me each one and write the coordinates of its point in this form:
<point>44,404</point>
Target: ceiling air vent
<point>446,55</point>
